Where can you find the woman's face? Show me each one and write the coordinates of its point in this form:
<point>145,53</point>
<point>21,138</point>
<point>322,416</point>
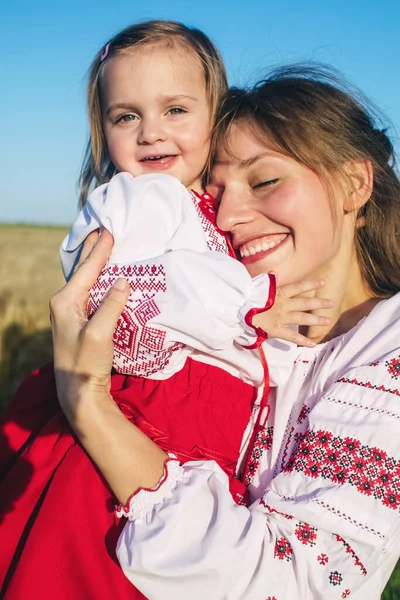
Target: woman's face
<point>276,209</point>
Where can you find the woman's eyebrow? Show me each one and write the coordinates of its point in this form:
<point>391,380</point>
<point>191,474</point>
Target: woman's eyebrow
<point>243,164</point>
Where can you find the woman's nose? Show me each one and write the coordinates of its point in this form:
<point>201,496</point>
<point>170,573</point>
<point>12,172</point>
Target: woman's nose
<point>150,131</point>
<point>233,210</point>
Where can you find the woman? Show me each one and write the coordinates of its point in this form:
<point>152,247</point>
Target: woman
<point>301,167</point>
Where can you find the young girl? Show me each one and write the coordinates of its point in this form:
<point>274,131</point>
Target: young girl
<point>153,93</point>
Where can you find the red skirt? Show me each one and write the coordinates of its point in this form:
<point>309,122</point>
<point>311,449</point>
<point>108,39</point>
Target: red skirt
<point>57,527</point>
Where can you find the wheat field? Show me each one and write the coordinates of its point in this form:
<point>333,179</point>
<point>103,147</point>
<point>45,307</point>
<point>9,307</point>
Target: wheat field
<point>30,273</point>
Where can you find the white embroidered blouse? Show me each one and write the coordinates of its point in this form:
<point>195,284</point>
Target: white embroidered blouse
<point>188,296</point>
<point>324,519</point>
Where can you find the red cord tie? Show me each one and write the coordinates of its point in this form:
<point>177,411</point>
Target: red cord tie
<point>261,334</point>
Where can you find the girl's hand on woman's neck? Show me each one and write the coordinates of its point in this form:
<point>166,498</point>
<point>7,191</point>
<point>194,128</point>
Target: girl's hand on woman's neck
<point>352,300</point>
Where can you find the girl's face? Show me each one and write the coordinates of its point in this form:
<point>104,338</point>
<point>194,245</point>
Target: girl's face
<point>156,113</point>
<point>276,209</point>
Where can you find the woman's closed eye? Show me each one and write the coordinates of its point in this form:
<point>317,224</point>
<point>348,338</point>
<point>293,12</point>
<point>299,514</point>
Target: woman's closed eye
<point>266,183</point>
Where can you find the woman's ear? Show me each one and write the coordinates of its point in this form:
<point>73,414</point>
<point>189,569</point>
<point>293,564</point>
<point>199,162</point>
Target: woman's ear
<point>361,177</point>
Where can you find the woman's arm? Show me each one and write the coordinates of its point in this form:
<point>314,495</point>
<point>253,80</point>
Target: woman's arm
<point>83,352</point>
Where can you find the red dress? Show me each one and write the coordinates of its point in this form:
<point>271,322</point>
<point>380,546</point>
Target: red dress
<point>57,528</point>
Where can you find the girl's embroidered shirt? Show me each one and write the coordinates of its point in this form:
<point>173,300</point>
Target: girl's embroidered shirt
<point>188,296</point>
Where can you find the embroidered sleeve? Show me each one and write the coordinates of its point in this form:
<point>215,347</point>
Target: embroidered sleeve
<point>322,530</point>
<point>184,298</point>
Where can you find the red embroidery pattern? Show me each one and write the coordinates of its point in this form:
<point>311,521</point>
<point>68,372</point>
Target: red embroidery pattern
<point>374,409</point>
<point>343,515</point>
<point>283,550</point>
<point>346,593</point>
<point>139,349</point>
<point>262,443</point>
<point>305,411</point>
<point>306,534</point>
<point>369,385</point>
<point>215,240</point>
<point>335,578</point>
<point>393,367</point>
<point>346,460</point>
<point>323,559</point>
<point>272,510</point>
<point>350,550</point>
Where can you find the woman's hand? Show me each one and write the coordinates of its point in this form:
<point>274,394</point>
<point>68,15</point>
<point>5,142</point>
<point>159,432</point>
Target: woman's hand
<point>291,307</point>
<point>83,353</point>
<point>83,350</point>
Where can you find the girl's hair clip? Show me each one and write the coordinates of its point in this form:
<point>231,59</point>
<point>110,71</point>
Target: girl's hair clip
<point>105,52</point>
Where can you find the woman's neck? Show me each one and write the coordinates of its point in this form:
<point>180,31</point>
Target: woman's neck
<point>352,301</point>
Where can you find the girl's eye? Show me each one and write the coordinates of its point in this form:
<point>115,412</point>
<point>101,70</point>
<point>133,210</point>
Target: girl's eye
<point>263,184</point>
<point>126,118</point>
<point>176,110</point>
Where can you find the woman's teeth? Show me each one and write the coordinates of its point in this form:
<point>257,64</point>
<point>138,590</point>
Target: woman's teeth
<point>260,247</point>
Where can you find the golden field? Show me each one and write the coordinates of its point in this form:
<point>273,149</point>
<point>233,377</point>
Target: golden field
<point>30,273</point>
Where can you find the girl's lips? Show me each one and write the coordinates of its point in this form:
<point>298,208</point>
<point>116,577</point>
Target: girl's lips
<point>259,249</point>
<point>161,163</point>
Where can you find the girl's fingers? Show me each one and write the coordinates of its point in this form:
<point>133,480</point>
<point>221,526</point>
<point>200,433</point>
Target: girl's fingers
<point>304,304</point>
<point>85,276</point>
<point>88,246</point>
<point>289,335</point>
<point>302,318</point>
<point>301,287</point>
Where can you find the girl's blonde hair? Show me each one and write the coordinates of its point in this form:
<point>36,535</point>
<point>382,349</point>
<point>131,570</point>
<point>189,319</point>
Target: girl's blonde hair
<point>310,114</point>
<point>97,167</point>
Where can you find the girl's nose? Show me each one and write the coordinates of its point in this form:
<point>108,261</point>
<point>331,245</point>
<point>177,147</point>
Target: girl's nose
<point>150,132</point>
<point>233,211</point>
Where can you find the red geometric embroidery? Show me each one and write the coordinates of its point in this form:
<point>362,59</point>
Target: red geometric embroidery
<point>350,550</point>
<point>146,310</point>
<point>153,338</point>
<point>346,593</point>
<point>335,578</point>
<point>346,460</point>
<point>206,209</point>
<point>393,367</point>
<point>283,550</point>
<point>370,386</point>
<point>306,534</point>
<point>139,349</point>
<point>262,443</point>
<point>305,410</point>
<point>271,598</point>
<point>323,559</point>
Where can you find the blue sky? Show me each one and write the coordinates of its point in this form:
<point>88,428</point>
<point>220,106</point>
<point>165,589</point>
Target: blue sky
<point>46,48</point>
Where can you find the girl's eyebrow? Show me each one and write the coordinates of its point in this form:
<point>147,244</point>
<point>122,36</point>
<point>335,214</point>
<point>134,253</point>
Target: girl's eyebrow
<point>179,97</point>
<point>167,99</point>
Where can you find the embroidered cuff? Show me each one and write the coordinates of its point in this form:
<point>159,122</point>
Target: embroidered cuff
<point>249,315</point>
<point>144,500</point>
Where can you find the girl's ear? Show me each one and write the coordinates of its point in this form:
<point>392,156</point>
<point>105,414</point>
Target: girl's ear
<point>361,177</point>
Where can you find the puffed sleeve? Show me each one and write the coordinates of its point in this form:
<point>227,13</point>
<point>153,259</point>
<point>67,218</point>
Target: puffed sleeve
<point>184,299</point>
<point>148,215</point>
<point>323,528</point>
